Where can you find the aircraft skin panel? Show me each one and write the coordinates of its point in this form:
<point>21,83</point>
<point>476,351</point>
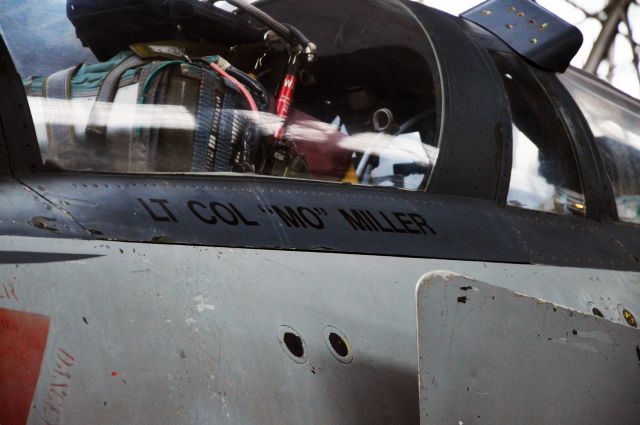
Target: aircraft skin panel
<point>490,355</point>
<point>191,334</point>
<point>313,216</point>
<point>25,212</point>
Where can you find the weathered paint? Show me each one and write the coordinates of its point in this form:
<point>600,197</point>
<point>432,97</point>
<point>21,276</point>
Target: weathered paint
<point>23,337</point>
<point>141,311</point>
<point>489,355</point>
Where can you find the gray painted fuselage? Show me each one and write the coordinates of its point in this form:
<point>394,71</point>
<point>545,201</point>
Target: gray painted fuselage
<point>189,335</point>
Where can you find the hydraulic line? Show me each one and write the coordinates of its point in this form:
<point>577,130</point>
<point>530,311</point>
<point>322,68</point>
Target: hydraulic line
<point>300,48</point>
<point>285,96</point>
<point>280,29</point>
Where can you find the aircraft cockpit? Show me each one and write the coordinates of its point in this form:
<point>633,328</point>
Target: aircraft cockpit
<point>366,92</point>
<point>363,111</point>
<point>313,211</point>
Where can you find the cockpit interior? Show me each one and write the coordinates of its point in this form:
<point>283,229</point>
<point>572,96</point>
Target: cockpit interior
<point>321,91</point>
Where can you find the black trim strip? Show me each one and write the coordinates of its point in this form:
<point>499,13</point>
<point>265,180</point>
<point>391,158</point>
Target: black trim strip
<point>28,257</point>
<point>291,214</point>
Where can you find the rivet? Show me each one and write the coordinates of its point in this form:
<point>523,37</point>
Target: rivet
<point>543,27</point>
<point>486,12</point>
<point>631,321</point>
<point>510,26</point>
<point>511,9</point>
<point>534,41</point>
<point>521,14</point>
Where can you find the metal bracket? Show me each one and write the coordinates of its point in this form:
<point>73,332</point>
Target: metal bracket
<point>530,30</point>
<point>488,355</point>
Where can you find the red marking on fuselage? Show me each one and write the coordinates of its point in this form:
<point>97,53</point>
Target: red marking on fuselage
<point>23,337</point>
<point>58,386</point>
<point>69,356</point>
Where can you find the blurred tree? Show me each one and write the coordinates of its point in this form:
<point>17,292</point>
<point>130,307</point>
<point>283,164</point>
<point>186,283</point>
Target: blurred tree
<point>612,38</point>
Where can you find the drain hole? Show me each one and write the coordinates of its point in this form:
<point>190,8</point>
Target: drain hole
<point>294,344</point>
<point>597,312</point>
<point>338,344</point>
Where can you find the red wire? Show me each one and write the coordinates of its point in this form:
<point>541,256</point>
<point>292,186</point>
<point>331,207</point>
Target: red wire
<point>243,89</point>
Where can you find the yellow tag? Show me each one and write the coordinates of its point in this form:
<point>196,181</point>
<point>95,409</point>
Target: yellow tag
<point>350,176</point>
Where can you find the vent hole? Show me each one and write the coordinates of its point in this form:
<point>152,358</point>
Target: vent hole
<point>597,312</point>
<point>294,344</point>
<point>338,344</point>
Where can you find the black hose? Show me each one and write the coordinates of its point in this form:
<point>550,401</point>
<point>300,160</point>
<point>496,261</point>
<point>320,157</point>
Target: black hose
<point>298,35</point>
<point>270,22</point>
<point>255,86</point>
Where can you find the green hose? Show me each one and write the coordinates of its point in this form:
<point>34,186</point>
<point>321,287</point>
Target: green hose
<point>147,84</point>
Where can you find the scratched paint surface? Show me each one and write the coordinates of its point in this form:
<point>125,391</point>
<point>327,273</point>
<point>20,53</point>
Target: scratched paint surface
<point>489,355</point>
<point>23,337</point>
<point>191,334</point>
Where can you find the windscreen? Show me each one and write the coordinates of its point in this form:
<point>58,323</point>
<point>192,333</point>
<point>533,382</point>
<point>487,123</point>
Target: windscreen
<point>544,174</point>
<point>615,122</point>
<point>179,86</point>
